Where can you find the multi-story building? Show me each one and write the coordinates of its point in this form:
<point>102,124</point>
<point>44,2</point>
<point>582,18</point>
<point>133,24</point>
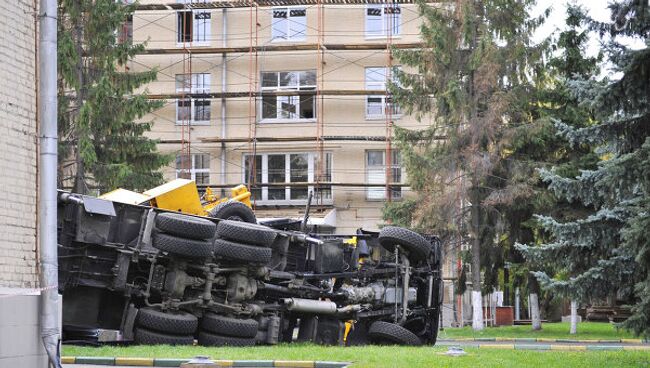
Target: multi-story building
<point>20,342</point>
<point>288,98</point>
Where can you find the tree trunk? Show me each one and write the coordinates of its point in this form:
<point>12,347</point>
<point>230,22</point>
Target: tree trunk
<point>534,303</point>
<point>506,288</point>
<point>477,300</point>
<point>574,317</point>
<point>80,94</point>
<point>79,182</point>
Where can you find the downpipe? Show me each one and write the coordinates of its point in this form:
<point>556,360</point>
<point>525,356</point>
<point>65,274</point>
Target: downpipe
<point>47,211</point>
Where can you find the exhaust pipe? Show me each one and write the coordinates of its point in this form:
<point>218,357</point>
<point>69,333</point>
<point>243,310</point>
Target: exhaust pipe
<point>317,306</point>
<point>309,306</point>
<point>47,114</point>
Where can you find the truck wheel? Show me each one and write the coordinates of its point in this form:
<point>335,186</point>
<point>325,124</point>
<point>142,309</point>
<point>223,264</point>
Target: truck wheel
<point>389,333</point>
<point>184,247</point>
<point>208,339</point>
<point>416,245</point>
<point>185,226</point>
<point>177,322</point>
<point>233,210</point>
<point>229,326</point>
<point>241,252</point>
<point>246,233</point>
<point>434,328</point>
<point>148,337</point>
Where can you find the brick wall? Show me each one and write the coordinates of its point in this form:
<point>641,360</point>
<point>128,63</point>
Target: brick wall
<point>17,145</point>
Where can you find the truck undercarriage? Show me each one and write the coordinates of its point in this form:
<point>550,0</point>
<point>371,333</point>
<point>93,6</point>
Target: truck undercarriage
<point>139,274</point>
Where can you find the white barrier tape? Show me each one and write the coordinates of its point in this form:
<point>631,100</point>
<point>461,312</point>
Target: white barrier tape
<point>7,292</point>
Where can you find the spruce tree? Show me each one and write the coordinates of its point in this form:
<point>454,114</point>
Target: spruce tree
<point>537,145</point>
<point>469,80</point>
<point>607,252</point>
<point>101,144</point>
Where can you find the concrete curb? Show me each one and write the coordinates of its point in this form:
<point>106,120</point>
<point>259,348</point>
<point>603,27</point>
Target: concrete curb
<point>157,362</point>
<point>581,341</point>
<point>151,362</point>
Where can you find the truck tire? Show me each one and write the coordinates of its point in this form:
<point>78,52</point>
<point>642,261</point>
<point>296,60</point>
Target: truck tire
<point>416,245</point>
<point>184,247</point>
<point>208,339</point>
<point>246,233</point>
<point>228,326</point>
<point>148,337</point>
<point>178,322</point>
<point>185,226</point>
<point>241,252</point>
<point>390,333</point>
<point>233,210</point>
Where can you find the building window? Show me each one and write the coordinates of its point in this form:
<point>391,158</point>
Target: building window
<point>195,167</point>
<point>195,110</point>
<point>378,106</point>
<point>289,24</point>
<point>376,174</point>
<point>287,168</point>
<point>287,107</point>
<point>193,25</point>
<point>382,19</point>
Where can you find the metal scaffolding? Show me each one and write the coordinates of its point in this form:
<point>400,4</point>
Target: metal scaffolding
<point>321,48</point>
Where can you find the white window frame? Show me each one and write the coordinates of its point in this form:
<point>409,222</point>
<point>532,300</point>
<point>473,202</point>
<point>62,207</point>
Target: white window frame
<point>193,169</point>
<point>378,193</point>
<point>383,33</point>
<point>201,24</point>
<point>311,170</point>
<point>199,83</point>
<point>279,99</point>
<point>292,24</point>
<point>379,86</point>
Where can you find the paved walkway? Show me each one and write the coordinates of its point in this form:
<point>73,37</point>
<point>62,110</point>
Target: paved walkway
<point>542,345</point>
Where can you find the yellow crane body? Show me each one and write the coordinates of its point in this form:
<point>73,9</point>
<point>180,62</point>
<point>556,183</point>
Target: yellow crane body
<point>180,195</point>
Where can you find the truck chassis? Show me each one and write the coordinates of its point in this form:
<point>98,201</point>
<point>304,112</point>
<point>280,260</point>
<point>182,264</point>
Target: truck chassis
<point>133,273</point>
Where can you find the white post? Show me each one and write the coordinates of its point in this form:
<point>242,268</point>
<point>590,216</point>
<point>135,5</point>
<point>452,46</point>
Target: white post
<point>535,315</point>
<point>477,311</point>
<point>574,317</point>
<point>517,315</point>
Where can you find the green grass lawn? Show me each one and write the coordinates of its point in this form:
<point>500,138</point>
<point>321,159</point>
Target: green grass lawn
<point>586,331</point>
<point>384,356</point>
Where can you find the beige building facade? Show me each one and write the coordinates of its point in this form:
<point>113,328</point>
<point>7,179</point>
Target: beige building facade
<point>20,343</point>
<point>288,96</point>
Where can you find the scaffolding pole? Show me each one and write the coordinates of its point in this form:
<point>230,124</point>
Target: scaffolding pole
<point>252,89</point>
<point>320,111</point>
<point>389,11</point>
<point>186,103</point>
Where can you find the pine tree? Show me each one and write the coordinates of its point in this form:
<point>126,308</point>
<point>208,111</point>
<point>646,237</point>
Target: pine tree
<point>469,80</point>
<point>101,144</point>
<point>607,251</point>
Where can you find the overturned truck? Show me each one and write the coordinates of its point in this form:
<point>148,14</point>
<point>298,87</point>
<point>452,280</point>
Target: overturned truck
<point>139,274</point>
